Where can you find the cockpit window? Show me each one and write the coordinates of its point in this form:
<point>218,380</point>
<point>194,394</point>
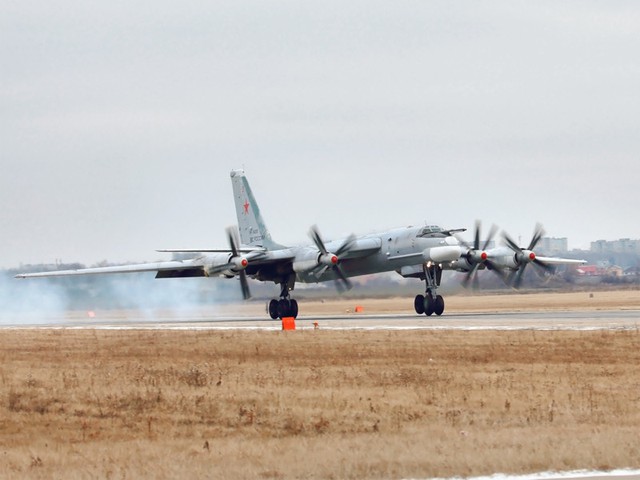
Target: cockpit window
<point>431,231</point>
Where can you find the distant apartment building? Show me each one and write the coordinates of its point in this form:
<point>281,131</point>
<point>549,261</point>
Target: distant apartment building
<point>623,245</point>
<point>553,246</point>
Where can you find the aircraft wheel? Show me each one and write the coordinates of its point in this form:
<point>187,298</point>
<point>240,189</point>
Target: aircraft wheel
<point>418,304</point>
<point>273,309</point>
<point>283,308</point>
<point>294,308</point>
<point>429,303</point>
<point>438,307</point>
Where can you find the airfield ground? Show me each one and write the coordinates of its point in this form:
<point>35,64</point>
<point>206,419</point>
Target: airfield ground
<point>87,403</point>
<point>463,303</point>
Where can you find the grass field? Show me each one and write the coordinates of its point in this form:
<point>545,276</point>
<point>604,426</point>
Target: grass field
<point>315,404</point>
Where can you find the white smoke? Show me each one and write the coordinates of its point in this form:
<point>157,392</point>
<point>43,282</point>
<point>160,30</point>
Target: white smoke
<point>54,300</point>
<point>23,302</point>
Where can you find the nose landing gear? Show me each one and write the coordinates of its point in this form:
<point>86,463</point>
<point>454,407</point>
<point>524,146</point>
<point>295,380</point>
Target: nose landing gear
<point>429,304</point>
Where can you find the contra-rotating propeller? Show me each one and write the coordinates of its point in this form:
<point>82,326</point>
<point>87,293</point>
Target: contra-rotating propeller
<point>331,259</point>
<point>238,262</point>
<point>477,256</point>
<point>525,256</point>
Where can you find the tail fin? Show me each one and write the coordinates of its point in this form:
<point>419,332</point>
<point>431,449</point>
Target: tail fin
<point>253,231</point>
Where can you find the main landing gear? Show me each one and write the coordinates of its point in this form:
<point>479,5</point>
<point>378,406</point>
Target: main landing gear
<point>285,306</point>
<point>430,302</point>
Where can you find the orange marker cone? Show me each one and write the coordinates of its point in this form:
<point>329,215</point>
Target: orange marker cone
<point>288,323</point>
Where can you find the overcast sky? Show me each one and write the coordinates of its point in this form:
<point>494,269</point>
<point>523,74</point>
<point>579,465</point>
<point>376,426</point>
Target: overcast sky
<point>120,121</point>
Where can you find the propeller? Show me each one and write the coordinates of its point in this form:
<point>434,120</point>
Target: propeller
<point>477,256</point>
<point>239,262</point>
<point>525,256</point>
<point>331,260</point>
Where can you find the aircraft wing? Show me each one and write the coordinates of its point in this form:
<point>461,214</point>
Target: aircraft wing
<point>175,267</point>
<point>208,250</point>
<point>560,261</point>
<point>218,263</point>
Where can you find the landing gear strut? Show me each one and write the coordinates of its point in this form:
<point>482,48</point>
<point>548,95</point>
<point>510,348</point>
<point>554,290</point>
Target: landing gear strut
<point>430,302</point>
<point>285,306</point>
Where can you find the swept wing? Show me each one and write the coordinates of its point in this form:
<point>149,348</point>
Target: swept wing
<point>170,266</point>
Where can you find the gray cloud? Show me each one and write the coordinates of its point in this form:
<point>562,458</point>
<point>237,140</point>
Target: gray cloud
<point>119,122</point>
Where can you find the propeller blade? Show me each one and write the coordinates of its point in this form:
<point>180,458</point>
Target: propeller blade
<point>495,268</point>
<point>244,285</point>
<point>232,235</point>
<point>544,266</point>
<point>315,236</point>
<point>234,241</point>
<point>537,235</point>
<point>476,283</point>
<point>476,238</point>
<point>474,255</point>
<point>346,283</point>
<point>473,273</point>
<point>512,245</point>
<point>346,246</point>
<point>518,277</point>
<point>492,233</point>
<point>342,283</point>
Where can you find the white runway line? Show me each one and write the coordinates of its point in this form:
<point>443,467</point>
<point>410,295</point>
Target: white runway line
<point>626,474</point>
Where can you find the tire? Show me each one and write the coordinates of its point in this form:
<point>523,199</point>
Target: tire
<point>438,306</point>
<point>273,309</point>
<point>428,305</point>
<point>418,304</point>
<point>293,310</point>
<point>283,308</point>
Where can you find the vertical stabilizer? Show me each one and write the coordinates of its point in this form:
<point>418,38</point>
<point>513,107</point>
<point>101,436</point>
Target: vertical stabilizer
<point>253,231</point>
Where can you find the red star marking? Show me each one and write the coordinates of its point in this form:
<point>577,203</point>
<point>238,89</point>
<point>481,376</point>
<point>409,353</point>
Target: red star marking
<point>246,207</point>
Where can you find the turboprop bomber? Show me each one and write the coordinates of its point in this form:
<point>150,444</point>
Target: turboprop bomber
<point>422,252</point>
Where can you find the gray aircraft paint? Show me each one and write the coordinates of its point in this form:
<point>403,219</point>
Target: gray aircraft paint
<point>419,252</point>
<point>253,230</point>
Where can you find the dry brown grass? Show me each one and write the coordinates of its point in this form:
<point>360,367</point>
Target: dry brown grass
<point>315,404</point>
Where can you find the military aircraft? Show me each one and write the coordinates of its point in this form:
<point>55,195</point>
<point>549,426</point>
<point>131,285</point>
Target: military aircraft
<point>418,252</point>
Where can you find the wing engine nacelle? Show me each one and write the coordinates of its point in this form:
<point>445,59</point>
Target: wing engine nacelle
<point>469,260</point>
<point>514,261</point>
<point>461,265</point>
<point>239,263</point>
<point>311,259</point>
<point>328,259</point>
<point>225,264</point>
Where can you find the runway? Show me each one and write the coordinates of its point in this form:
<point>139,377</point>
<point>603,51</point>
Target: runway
<point>207,320</point>
<point>620,474</point>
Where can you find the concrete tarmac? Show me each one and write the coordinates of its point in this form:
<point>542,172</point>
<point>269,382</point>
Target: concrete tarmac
<point>203,319</point>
